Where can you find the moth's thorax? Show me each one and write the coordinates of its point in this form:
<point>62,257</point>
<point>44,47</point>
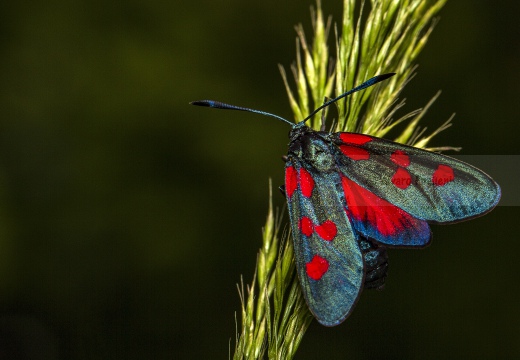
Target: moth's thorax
<point>312,147</point>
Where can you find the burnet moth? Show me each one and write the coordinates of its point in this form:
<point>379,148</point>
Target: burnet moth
<point>351,195</point>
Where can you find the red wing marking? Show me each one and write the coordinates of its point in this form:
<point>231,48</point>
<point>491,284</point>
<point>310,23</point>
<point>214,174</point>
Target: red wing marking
<point>443,175</point>
<point>365,206</point>
<point>317,267</point>
<point>306,183</point>
<point>402,178</point>
<point>356,139</point>
<point>327,230</point>
<point>305,225</point>
<point>290,181</point>
<point>400,158</point>
<point>355,153</point>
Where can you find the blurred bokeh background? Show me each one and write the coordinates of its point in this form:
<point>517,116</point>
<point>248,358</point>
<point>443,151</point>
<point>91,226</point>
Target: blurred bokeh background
<point>127,217</point>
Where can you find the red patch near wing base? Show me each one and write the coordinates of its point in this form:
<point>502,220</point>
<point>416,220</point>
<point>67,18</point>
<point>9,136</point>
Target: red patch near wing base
<point>353,138</point>
<point>290,181</point>
<point>306,183</point>
<point>355,153</point>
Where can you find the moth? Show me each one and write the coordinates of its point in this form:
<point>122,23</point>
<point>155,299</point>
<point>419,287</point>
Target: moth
<point>351,195</point>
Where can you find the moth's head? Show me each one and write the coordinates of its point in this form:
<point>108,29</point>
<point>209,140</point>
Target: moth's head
<point>311,147</point>
<point>298,130</point>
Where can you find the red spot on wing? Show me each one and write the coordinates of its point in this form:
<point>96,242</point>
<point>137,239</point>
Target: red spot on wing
<point>327,230</point>
<point>306,183</point>
<point>355,153</point>
<point>402,178</point>
<point>290,181</point>
<point>366,206</point>
<point>317,267</point>
<point>400,158</point>
<point>353,138</point>
<point>443,175</point>
<point>305,225</point>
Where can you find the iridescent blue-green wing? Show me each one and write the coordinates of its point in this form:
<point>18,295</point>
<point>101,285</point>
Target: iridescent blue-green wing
<point>328,258</point>
<point>427,186</point>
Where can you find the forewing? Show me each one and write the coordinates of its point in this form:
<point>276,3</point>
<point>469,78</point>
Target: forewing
<point>426,185</point>
<point>328,258</point>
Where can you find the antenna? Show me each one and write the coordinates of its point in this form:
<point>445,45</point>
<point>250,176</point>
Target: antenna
<point>366,84</point>
<point>221,105</point>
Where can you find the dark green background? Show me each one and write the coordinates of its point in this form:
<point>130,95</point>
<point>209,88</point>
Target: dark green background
<point>127,216</point>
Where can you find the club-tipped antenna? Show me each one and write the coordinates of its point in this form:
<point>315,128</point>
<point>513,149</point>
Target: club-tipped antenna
<point>220,105</point>
<point>368,83</point>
